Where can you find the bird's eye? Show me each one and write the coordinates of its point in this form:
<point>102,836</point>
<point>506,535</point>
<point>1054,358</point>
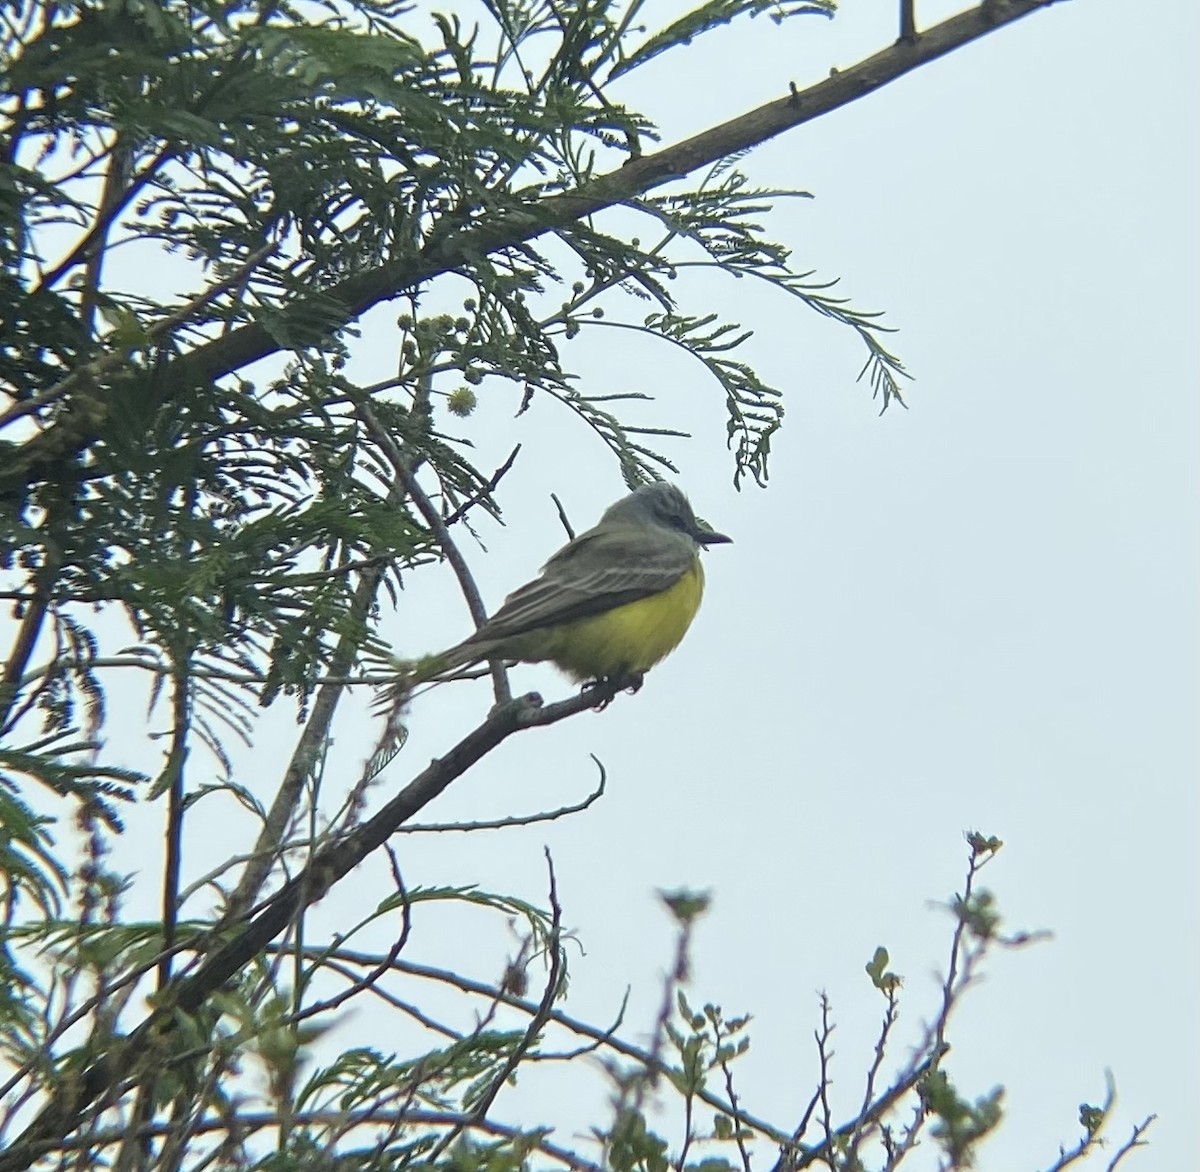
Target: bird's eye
<point>677,522</point>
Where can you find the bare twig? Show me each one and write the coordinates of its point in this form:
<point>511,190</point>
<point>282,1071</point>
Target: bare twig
<point>550,993</point>
<point>1136,1140</point>
<point>517,819</point>
<point>562,516</point>
<point>537,1023</point>
<point>108,213</point>
<point>13,679</point>
<point>889,1020</point>
<point>743,1151</point>
<point>606,1038</point>
<point>824,1035</point>
<point>1093,1136</point>
<point>423,1019</point>
<point>173,863</point>
<point>488,488</point>
<point>385,964</point>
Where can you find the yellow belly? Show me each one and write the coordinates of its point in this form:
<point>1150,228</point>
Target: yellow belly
<point>630,638</point>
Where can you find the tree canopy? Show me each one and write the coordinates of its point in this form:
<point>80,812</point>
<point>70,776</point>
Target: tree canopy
<point>201,206</point>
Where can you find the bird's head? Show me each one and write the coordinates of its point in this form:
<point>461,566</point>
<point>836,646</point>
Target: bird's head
<point>664,504</point>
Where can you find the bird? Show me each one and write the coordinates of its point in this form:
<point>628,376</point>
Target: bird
<point>610,604</point>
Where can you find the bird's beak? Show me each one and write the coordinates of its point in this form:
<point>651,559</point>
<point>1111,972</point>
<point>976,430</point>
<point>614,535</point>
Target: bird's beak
<point>712,537</point>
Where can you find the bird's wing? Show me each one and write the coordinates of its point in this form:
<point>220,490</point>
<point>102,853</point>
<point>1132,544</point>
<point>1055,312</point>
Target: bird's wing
<point>599,570</point>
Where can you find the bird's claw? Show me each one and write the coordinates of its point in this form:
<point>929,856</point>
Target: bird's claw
<point>630,682</point>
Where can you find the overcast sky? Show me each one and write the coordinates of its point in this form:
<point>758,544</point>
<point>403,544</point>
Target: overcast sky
<point>976,613</point>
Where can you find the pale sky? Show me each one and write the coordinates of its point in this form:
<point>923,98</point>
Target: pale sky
<point>976,613</point>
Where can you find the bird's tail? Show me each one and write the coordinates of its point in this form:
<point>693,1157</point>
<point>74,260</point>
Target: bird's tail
<point>429,669</point>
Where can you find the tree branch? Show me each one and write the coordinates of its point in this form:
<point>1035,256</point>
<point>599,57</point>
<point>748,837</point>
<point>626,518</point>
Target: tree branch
<point>457,244</point>
<point>187,994</point>
<point>515,819</point>
<point>12,680</point>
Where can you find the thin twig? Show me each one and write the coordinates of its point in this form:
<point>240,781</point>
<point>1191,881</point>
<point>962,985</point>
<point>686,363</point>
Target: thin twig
<point>562,516</point>
<point>606,1038</point>
<point>423,1019</point>
<point>537,1023</point>
<point>739,1139</point>
<point>551,992</point>
<point>1136,1140</point>
<point>173,862</point>
<point>488,488</point>
<point>433,518</point>
<point>13,680</point>
<point>385,964</point>
<point>825,1055</point>
<point>516,819</point>
<point>105,217</point>
<point>889,1020</point>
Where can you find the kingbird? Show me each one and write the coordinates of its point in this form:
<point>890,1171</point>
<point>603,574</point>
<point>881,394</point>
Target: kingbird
<point>612,602</point>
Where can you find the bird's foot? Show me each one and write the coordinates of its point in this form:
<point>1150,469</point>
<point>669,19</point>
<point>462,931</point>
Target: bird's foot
<point>630,682</point>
